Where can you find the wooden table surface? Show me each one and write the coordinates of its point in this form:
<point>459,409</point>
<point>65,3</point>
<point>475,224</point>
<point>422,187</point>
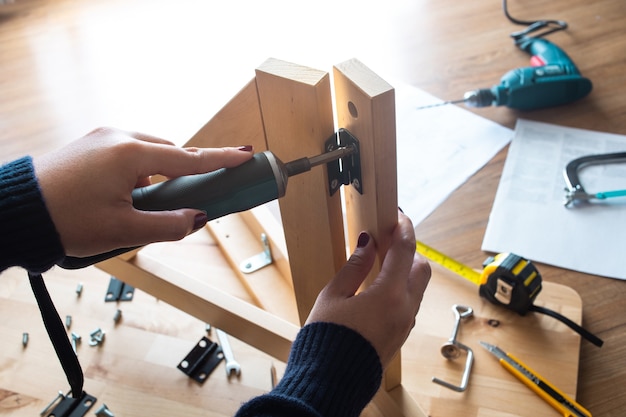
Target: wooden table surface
<point>165,68</point>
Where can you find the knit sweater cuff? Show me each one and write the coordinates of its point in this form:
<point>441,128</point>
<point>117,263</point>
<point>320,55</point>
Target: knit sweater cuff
<point>28,237</point>
<point>332,371</point>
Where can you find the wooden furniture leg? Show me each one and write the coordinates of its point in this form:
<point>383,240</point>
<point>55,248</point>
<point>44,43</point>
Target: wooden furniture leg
<point>298,118</point>
<point>366,107</point>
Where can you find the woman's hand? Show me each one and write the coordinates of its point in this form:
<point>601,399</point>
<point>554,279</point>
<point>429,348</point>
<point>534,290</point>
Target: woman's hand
<point>87,187</point>
<point>384,313</point>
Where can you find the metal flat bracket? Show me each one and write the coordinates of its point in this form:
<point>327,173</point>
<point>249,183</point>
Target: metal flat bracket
<point>70,407</point>
<point>344,171</point>
<point>201,360</point>
<point>258,261</point>
<point>119,291</point>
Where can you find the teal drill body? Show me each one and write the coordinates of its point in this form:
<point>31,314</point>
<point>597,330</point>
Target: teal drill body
<point>551,80</point>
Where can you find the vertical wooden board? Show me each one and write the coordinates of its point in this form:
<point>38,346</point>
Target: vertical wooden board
<point>296,105</point>
<point>238,123</point>
<point>366,107</point>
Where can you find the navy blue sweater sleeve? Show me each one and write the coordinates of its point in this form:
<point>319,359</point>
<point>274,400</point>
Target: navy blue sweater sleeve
<point>332,372</point>
<point>28,237</point>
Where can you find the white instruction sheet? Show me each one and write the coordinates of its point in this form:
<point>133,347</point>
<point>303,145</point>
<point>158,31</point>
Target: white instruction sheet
<point>529,217</point>
<point>438,149</point>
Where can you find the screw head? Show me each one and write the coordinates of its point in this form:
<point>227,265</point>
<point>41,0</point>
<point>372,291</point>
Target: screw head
<point>450,350</point>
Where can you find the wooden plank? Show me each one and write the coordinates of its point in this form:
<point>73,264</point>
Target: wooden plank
<point>241,319</point>
<point>297,114</point>
<point>268,288</point>
<point>365,106</point>
<point>238,123</point>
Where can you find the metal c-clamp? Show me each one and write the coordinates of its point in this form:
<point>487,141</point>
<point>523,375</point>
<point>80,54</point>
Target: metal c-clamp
<point>452,349</point>
<point>575,191</point>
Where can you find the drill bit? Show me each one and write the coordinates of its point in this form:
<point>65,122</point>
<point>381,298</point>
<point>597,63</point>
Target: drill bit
<point>443,103</point>
<point>483,97</point>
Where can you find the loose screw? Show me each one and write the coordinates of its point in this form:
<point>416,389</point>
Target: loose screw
<point>118,316</point>
<point>104,411</point>
<point>75,340</point>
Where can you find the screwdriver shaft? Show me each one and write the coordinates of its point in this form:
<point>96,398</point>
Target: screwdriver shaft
<point>331,156</point>
<point>301,165</point>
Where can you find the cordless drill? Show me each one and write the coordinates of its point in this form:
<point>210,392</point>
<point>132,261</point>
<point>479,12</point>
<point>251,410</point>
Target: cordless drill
<point>551,80</point>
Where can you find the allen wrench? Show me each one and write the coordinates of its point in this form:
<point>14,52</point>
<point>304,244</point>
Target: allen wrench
<point>452,349</point>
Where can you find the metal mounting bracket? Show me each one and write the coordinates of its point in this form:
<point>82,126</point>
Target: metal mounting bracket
<point>201,360</point>
<point>344,171</point>
<point>119,291</point>
<point>258,261</point>
<point>69,406</point>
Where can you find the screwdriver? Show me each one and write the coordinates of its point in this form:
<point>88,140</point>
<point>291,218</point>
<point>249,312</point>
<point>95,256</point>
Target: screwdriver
<point>230,190</point>
<point>218,193</point>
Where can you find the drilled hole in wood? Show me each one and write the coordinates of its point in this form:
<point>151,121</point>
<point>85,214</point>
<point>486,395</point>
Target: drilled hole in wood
<point>352,109</point>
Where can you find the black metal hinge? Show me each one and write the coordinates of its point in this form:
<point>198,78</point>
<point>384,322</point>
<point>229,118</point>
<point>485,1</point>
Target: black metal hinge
<point>347,170</point>
<point>201,360</point>
<point>68,406</point>
<point>119,291</point>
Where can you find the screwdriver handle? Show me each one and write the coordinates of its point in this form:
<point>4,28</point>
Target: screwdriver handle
<point>218,193</point>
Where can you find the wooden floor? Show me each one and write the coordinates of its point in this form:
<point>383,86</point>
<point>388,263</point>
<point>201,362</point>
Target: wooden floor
<point>134,372</point>
<point>164,68</point>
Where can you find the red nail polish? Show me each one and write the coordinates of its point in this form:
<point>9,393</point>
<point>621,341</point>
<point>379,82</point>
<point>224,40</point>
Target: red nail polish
<point>200,220</point>
<point>364,239</point>
<point>247,148</point>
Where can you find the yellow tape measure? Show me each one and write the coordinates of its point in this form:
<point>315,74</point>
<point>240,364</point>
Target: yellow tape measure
<point>449,263</point>
<point>506,279</point>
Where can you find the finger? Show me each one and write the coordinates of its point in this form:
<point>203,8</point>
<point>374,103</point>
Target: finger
<point>172,161</point>
<point>399,257</point>
<point>354,272</point>
<point>419,278</point>
<point>145,227</point>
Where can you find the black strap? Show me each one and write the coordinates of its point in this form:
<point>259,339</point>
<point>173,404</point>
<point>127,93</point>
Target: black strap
<point>578,329</point>
<point>58,336</point>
